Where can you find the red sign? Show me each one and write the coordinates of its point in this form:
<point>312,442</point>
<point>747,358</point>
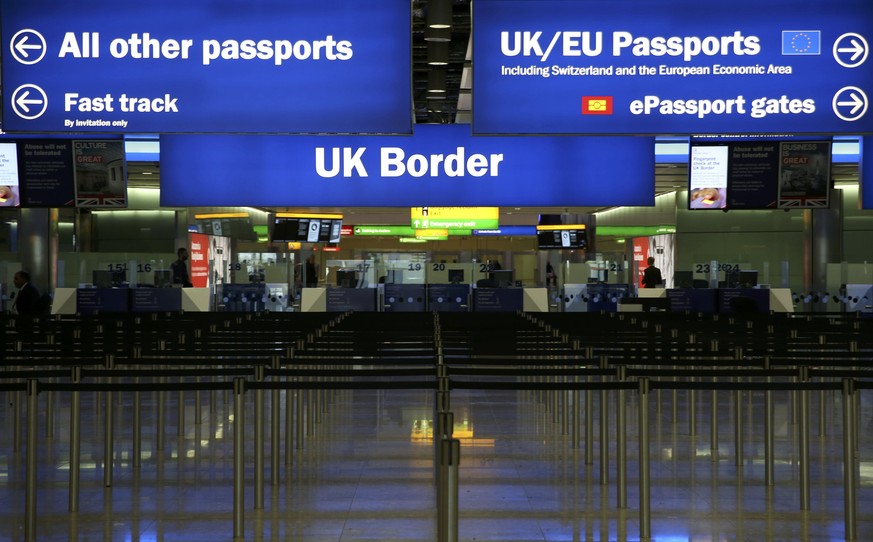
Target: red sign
<point>597,105</point>
<point>347,230</point>
<point>641,256</point>
<point>199,252</point>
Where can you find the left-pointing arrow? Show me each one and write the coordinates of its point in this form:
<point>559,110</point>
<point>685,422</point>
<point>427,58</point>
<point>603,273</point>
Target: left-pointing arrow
<point>22,46</point>
<point>23,102</point>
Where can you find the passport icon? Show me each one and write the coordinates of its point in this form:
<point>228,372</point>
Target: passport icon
<point>597,105</point>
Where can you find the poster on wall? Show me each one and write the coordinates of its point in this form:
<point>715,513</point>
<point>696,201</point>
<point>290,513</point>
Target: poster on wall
<point>663,249</point>
<point>210,260</point>
<point>707,168</point>
<point>9,194</point>
<point>100,174</point>
<point>220,258</point>
<point>199,264</point>
<point>804,174</point>
<point>46,172</point>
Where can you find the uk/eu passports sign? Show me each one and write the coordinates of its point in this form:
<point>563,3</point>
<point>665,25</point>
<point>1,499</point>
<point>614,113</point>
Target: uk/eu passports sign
<point>672,67</point>
<point>271,66</point>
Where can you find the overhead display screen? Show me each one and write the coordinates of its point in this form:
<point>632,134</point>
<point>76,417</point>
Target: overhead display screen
<point>566,236</point>
<point>38,172</point>
<point>759,174</point>
<point>442,165</point>
<point>290,227</point>
<point>10,195</point>
<point>683,67</point>
<point>272,66</point>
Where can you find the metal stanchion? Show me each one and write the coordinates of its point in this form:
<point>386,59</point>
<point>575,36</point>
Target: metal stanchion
<point>299,417</point>
<point>16,421</point>
<point>275,419</point>
<point>769,477</point>
<point>804,441</point>
<point>576,415</point>
<point>621,461</point>
<point>137,428</point>
<point>738,431</point>
<point>30,475</point>
<point>450,460</point>
<point>713,425</point>
<point>259,440</point>
<point>180,415</point>
<point>289,426</point>
<point>159,438</point>
<point>75,441</point>
<point>589,425</point>
<point>565,419</point>
<point>238,457</point>
<point>645,497</point>
<point>604,430</point>
<point>850,465</point>
<point>109,433</point>
<point>198,409</point>
<point>692,411</point>
<point>289,416</point>
<point>49,411</point>
<point>822,414</point>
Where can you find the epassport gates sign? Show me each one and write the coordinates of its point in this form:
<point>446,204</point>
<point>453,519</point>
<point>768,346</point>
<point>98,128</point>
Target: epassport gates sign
<point>678,67</point>
<point>272,66</point>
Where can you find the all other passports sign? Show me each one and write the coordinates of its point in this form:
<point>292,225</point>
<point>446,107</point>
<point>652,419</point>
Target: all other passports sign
<point>678,67</point>
<point>271,66</point>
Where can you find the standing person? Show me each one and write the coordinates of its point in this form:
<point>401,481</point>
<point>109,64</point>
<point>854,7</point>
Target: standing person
<point>551,279</point>
<point>27,300</point>
<point>311,272</point>
<point>652,275</point>
<point>180,268</point>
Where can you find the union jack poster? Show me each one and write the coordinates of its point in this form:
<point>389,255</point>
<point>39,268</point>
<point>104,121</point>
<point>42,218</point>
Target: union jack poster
<point>100,173</point>
<point>804,174</point>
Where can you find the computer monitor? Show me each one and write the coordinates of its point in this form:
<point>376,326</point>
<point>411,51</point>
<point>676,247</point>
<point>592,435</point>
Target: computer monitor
<point>502,278</point>
<point>101,278</point>
<point>456,276</point>
<point>163,278</point>
<point>683,279</point>
<point>748,279</point>
<point>346,278</point>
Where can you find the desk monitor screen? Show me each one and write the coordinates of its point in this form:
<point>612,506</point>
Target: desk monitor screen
<point>748,279</point>
<point>502,278</point>
<point>683,279</point>
<point>346,278</point>
<point>101,279</point>
<point>456,276</point>
<point>163,278</point>
<point>108,279</point>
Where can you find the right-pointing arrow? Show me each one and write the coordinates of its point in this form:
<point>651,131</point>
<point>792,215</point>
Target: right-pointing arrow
<point>856,102</point>
<point>856,49</point>
<point>23,102</point>
<point>22,46</point>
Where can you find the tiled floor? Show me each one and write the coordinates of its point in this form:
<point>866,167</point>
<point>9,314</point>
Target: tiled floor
<point>366,473</point>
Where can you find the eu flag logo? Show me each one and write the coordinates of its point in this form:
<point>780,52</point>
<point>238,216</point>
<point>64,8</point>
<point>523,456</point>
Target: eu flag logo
<point>801,42</point>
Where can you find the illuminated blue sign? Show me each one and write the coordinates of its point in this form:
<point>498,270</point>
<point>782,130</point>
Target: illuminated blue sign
<point>678,67</point>
<point>507,230</point>
<point>442,165</point>
<point>272,66</point>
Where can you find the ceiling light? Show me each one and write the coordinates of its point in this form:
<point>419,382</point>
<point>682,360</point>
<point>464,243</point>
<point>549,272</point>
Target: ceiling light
<point>439,13</point>
<point>438,53</point>
<point>437,34</point>
<point>436,81</point>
